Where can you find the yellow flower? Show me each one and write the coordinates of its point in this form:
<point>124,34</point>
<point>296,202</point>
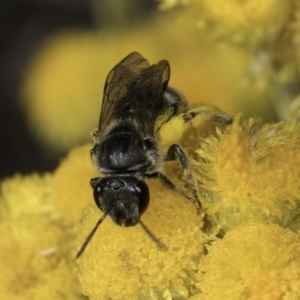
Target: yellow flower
<point>246,173</point>
<point>33,262</point>
<point>71,190</point>
<point>21,195</point>
<point>61,195</point>
<point>249,22</point>
<point>250,172</point>
<point>61,88</point>
<point>37,251</point>
<point>42,224</point>
<point>257,261</point>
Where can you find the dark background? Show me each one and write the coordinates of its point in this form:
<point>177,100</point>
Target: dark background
<point>23,27</point>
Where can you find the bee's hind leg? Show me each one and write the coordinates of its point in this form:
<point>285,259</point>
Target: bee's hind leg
<point>208,112</point>
<point>175,151</point>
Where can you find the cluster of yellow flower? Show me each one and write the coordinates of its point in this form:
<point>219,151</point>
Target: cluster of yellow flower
<point>237,248</point>
<point>37,248</point>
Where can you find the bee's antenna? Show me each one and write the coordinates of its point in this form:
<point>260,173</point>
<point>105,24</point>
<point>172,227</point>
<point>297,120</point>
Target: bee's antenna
<point>87,240</point>
<point>161,245</point>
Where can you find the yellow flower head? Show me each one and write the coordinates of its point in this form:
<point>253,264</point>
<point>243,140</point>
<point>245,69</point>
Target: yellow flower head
<point>61,88</point>
<point>32,263</point>
<point>71,190</point>
<point>249,22</point>
<point>37,251</point>
<point>257,261</point>
<point>21,195</point>
<point>245,174</point>
<point>250,173</point>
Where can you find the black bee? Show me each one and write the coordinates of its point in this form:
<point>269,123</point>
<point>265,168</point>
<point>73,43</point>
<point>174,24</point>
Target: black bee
<point>137,101</point>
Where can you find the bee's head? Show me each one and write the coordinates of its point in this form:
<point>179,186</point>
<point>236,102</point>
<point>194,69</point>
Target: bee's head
<point>123,198</point>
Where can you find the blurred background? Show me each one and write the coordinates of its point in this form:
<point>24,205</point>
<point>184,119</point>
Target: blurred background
<point>242,56</point>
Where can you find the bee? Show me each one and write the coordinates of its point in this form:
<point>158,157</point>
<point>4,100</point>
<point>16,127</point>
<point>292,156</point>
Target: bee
<point>137,102</point>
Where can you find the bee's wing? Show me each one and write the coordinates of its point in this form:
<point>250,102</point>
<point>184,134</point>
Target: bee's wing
<point>134,90</point>
<point>146,97</point>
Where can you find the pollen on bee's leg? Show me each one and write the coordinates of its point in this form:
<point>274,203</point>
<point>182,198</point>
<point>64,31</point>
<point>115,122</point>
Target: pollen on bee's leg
<point>223,119</point>
<point>190,115</point>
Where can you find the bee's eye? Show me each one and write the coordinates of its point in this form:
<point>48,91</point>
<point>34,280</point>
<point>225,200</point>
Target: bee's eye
<point>143,195</point>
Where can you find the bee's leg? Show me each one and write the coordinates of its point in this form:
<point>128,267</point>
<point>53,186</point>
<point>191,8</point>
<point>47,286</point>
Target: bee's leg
<point>168,183</point>
<point>207,113</point>
<point>189,116</point>
<point>175,151</point>
<point>222,119</point>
